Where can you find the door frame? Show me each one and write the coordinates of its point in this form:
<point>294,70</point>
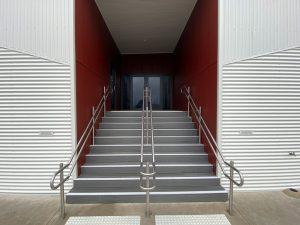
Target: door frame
<point>127,79</point>
<point>146,82</point>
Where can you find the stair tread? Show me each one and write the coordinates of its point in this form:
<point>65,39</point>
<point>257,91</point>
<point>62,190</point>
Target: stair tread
<point>157,145</point>
<point>160,176</point>
<point>137,190</point>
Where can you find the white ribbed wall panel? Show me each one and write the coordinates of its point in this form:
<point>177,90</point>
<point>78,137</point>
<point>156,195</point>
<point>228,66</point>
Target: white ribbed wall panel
<point>35,121</point>
<point>37,27</point>
<point>258,27</point>
<point>261,119</point>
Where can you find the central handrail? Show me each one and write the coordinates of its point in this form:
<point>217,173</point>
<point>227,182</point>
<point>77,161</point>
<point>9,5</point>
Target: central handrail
<point>90,128</point>
<point>213,144</point>
<point>147,118</point>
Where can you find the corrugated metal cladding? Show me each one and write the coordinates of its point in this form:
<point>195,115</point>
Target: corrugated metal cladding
<point>261,119</point>
<point>35,121</point>
<point>37,27</point>
<point>259,27</point>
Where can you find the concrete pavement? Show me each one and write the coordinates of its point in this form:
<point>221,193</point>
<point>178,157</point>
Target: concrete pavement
<point>251,208</point>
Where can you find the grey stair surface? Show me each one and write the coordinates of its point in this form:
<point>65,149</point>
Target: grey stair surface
<point>111,170</point>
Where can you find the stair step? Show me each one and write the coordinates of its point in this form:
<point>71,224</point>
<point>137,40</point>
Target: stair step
<point>161,125</point>
<point>136,148</point>
<point>160,194</point>
<point>137,132</point>
<point>134,181</point>
<point>111,172</point>
<point>139,113</point>
<point>137,139</point>
<point>135,157</point>
<point>94,169</point>
<point>139,119</point>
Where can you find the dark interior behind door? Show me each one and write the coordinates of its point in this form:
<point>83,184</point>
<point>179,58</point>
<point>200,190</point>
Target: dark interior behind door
<point>132,91</point>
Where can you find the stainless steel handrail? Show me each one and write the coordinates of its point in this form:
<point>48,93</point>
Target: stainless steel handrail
<point>147,103</point>
<point>214,146</point>
<point>90,128</point>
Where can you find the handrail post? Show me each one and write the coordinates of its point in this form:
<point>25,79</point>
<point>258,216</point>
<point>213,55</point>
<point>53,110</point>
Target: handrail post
<point>147,192</point>
<point>62,192</point>
<point>189,95</point>
<point>147,118</point>
<point>231,189</point>
<point>200,111</point>
<point>93,112</point>
<point>104,98</point>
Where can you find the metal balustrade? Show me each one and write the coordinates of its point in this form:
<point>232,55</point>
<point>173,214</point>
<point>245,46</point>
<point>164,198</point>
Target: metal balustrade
<point>146,175</point>
<point>191,106</point>
<point>90,129</point>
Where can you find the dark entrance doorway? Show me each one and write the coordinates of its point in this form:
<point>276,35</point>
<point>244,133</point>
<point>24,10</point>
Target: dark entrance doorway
<point>113,85</point>
<point>133,91</point>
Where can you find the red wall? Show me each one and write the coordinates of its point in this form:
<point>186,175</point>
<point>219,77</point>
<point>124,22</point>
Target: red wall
<point>148,64</point>
<point>196,60</point>
<point>95,49</point>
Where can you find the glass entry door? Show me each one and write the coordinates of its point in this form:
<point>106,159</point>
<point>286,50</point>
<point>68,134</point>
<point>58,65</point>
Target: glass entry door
<point>133,86</point>
<point>155,85</point>
<point>138,84</point>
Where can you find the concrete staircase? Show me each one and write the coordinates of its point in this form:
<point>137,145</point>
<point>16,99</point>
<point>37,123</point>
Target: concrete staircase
<point>111,171</point>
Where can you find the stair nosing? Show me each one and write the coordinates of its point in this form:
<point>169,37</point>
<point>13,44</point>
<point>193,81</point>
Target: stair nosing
<point>138,165</point>
<point>138,178</point>
<point>142,111</point>
<point>149,117</point>
<point>145,129</point>
<point>144,136</point>
<point>146,154</point>
<point>153,122</point>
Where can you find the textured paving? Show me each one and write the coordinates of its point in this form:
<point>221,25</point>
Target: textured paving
<point>192,220</point>
<point>104,220</point>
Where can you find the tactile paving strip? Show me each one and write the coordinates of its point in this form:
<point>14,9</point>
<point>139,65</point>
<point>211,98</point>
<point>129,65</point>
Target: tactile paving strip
<point>104,220</point>
<point>218,219</point>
